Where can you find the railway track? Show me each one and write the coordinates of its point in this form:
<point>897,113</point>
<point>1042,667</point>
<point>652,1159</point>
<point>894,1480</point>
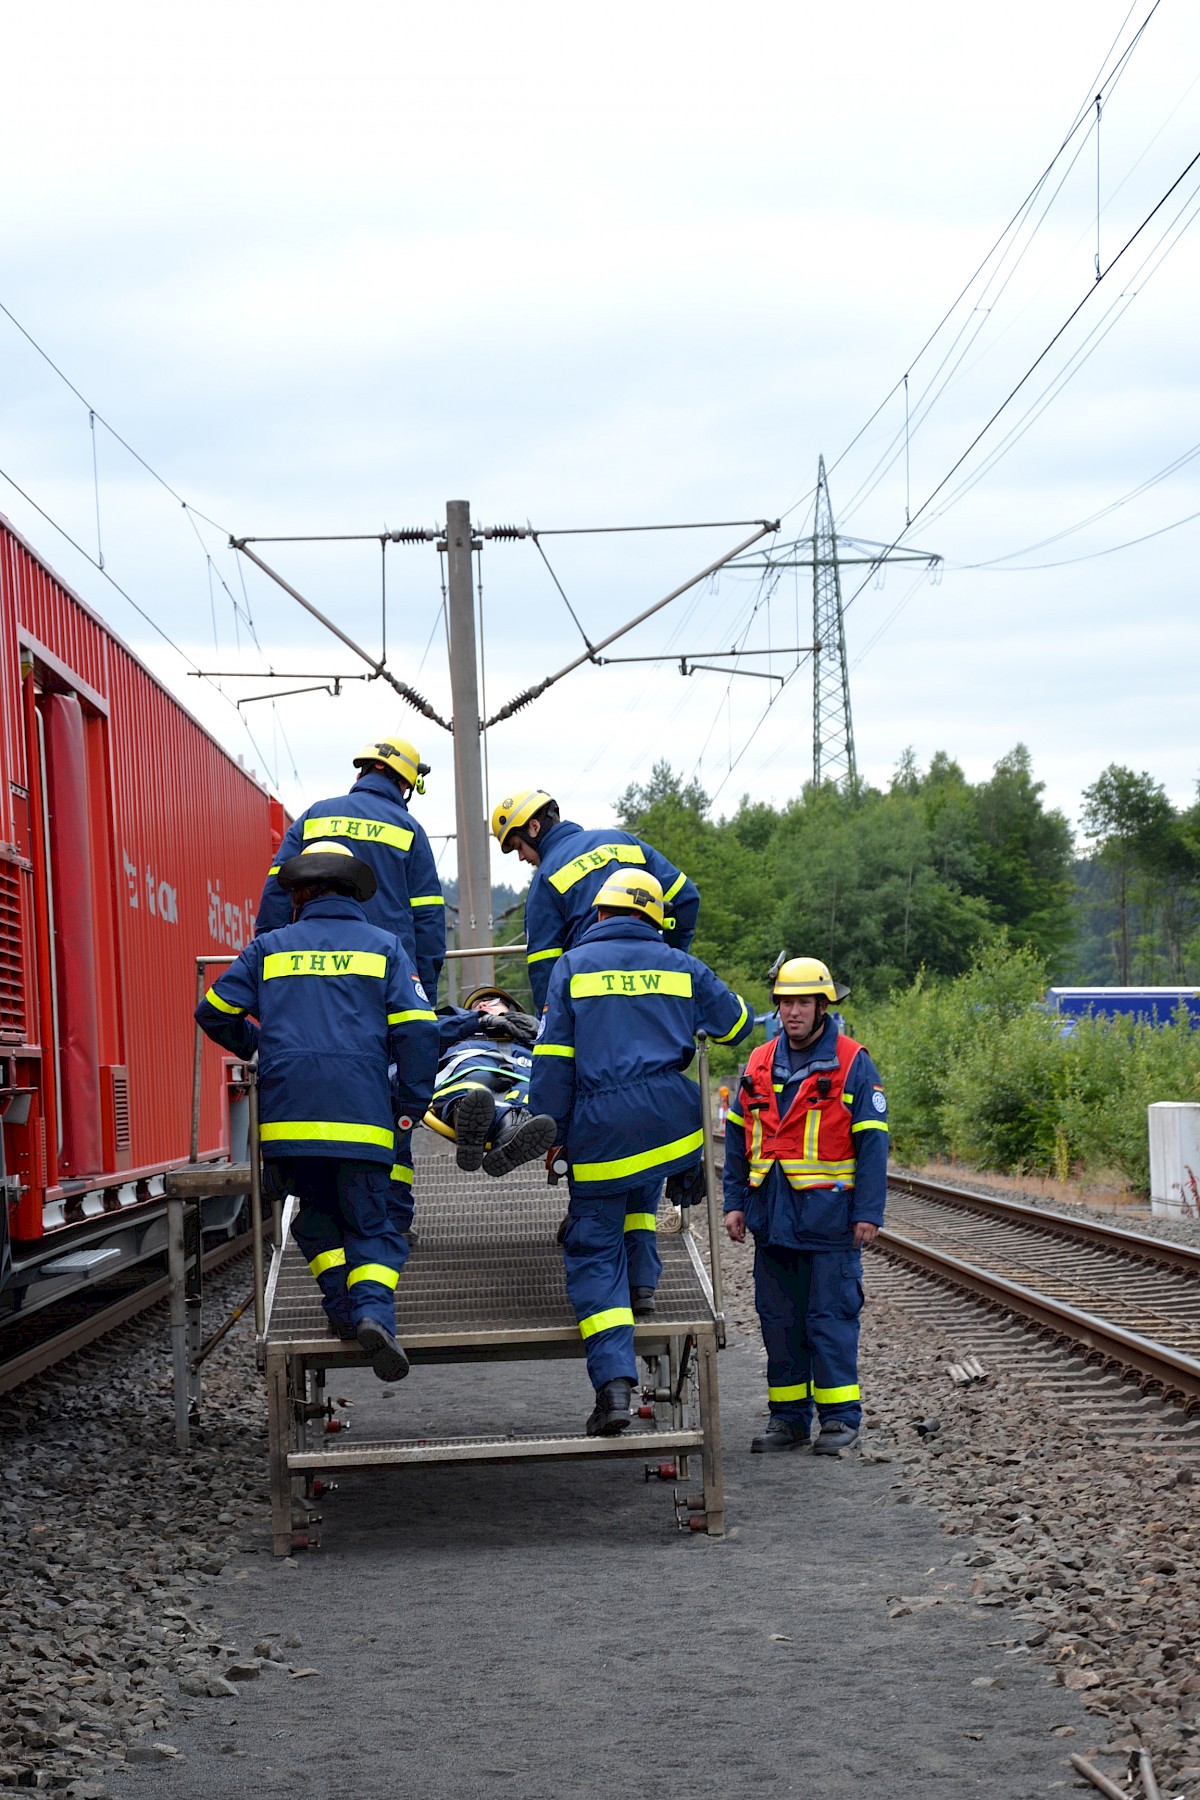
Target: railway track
<point>59,1330</point>
<point>1128,1301</point>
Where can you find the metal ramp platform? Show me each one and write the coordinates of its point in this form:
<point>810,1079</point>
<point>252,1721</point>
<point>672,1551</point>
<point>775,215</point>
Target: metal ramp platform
<point>484,1283</point>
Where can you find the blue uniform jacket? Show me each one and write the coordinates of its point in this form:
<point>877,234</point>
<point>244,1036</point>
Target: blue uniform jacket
<point>374,822</point>
<point>465,1051</point>
<point>575,865</point>
<point>813,1218</point>
<point>616,1035</point>
<point>336,1000</point>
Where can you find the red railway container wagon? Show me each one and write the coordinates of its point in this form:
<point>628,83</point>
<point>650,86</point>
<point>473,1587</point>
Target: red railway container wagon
<point>130,844</point>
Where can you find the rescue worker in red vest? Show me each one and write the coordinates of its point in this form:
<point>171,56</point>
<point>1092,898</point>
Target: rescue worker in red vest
<point>617,1033</point>
<point>571,866</point>
<point>806,1146</point>
<point>337,1001</point>
<point>374,821</point>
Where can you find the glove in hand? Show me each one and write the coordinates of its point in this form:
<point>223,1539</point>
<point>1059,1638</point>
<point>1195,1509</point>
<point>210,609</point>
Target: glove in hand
<point>686,1188</point>
<point>518,1027</point>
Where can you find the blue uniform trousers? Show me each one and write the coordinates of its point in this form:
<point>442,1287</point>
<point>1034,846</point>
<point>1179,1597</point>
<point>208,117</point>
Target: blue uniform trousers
<point>350,1232</point>
<point>808,1305</point>
<point>601,1259</point>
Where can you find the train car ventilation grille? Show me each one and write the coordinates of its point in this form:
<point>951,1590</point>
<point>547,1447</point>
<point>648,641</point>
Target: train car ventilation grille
<point>12,970</point>
<point>120,1108</point>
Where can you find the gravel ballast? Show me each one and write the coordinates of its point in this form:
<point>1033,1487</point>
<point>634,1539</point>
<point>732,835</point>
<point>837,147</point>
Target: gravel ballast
<point>548,1631</point>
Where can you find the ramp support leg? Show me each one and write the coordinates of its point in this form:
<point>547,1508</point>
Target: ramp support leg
<point>710,1419</point>
<point>279,1429</point>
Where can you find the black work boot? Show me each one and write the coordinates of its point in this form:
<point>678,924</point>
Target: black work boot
<point>836,1435</point>
<point>387,1356</point>
<point>641,1301</point>
<point>612,1410</point>
<point>781,1434</point>
<point>529,1140</point>
<point>473,1119</point>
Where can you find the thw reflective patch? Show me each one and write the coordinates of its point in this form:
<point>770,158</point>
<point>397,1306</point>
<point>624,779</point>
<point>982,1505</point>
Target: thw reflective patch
<point>407,1018</point>
<point>325,1131</point>
<point>737,1024</point>
<point>324,962</point>
<point>214,999</point>
<point>426,900</point>
<point>673,889</point>
<point>835,1396</point>
<point>373,1272</point>
<point>631,981</point>
<point>401,1172</point>
<point>782,1394</point>
<point>363,831</point>
<point>634,1165</point>
<point>606,1321</point>
<point>328,1259</point>
<point>566,877</point>
<point>641,1222</point>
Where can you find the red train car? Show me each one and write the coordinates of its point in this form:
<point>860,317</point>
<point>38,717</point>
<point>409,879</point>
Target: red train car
<point>130,844</point>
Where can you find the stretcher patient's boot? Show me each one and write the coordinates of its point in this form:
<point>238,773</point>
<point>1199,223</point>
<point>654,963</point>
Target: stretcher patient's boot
<point>611,1413</point>
<point>473,1119</point>
<point>528,1141</point>
<point>387,1357</point>
<point>781,1434</point>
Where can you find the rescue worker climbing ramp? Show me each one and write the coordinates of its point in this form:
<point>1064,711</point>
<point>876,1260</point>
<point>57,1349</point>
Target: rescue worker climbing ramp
<point>617,1034</point>
<point>570,866</point>
<point>336,1001</point>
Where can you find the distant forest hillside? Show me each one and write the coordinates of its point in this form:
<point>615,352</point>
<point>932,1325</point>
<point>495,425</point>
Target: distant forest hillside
<point>918,878</point>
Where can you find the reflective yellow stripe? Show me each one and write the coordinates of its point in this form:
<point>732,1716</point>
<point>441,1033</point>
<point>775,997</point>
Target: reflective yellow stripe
<point>634,982</point>
<point>736,1027</point>
<point>370,831</point>
<point>633,1165</point>
<point>401,1172</point>
<point>641,1222</point>
<point>426,900</point>
<point>833,1396</point>
<point>406,1018</point>
<point>799,1392</point>
<point>326,1131</point>
<point>328,1259</point>
<point>553,1050</point>
<point>812,1126</point>
<point>734,1118</point>
<point>605,1321</point>
<point>374,1272</point>
<point>324,962</point>
<point>673,890</point>
<point>214,999</point>
<point>869,1125</point>
<point>542,955</point>
<point>571,872</point>
<point>274,869</point>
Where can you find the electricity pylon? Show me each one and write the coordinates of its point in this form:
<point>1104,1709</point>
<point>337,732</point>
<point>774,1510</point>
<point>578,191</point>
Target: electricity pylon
<point>827,555</point>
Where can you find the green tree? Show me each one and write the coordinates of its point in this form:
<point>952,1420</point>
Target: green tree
<point>1027,857</point>
<point>1129,819</point>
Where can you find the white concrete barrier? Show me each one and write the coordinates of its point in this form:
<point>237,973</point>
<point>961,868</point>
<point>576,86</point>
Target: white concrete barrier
<point>1175,1159</point>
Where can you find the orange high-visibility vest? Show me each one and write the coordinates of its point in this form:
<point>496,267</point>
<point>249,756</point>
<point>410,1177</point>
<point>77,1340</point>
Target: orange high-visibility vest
<point>812,1142</point>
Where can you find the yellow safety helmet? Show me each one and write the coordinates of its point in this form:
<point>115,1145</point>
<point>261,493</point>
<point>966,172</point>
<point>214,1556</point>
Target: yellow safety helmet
<point>633,890</point>
<point>327,860</point>
<point>398,755</point>
<point>805,975</point>
<point>516,811</point>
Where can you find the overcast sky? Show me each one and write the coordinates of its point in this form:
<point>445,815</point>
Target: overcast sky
<point>635,265</point>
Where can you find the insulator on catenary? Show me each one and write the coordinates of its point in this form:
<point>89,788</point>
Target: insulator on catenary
<point>530,694</point>
<point>508,532</point>
<point>411,534</point>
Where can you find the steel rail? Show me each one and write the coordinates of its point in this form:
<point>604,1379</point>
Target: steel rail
<point>1088,1231</point>
<point>56,1349</point>
<point>1176,1373</point>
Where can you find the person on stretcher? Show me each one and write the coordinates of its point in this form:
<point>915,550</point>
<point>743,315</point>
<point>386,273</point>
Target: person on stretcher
<point>481,1093</point>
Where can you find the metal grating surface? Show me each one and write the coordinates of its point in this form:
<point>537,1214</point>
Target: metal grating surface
<point>486,1262</point>
<point>520,1447</point>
